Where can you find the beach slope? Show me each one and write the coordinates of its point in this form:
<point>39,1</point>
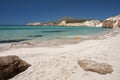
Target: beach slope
<point>61,63</point>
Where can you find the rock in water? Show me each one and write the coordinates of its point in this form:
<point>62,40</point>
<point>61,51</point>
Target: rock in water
<point>101,68</point>
<point>11,66</point>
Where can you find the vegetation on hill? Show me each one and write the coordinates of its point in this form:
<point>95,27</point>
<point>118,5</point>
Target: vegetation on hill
<point>77,20</point>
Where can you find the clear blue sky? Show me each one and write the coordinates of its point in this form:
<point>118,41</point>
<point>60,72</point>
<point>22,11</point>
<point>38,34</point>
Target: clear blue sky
<point>23,11</point>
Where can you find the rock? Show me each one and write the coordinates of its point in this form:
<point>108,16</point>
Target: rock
<point>62,23</point>
<point>101,68</point>
<point>118,24</point>
<point>92,23</point>
<point>107,24</point>
<point>99,25</point>
<point>114,18</point>
<point>112,22</point>
<point>11,66</point>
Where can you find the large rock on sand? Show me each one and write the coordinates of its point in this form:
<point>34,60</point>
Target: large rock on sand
<point>11,66</point>
<point>101,68</point>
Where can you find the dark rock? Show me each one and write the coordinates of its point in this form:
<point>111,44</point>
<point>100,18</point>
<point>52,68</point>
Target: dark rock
<point>52,31</point>
<point>35,36</point>
<point>101,68</point>
<point>11,66</point>
<point>108,24</point>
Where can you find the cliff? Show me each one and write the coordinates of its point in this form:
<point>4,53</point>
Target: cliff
<point>91,23</point>
<point>112,22</point>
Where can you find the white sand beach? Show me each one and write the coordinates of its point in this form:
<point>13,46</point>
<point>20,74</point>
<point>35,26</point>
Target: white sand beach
<point>61,63</point>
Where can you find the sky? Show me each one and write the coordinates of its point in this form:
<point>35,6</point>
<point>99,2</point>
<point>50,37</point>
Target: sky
<point>21,12</point>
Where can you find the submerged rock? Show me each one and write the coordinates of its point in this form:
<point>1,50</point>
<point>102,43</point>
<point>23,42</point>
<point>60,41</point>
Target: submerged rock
<point>101,68</point>
<point>11,66</point>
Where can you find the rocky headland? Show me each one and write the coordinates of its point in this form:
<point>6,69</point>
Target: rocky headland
<point>111,22</point>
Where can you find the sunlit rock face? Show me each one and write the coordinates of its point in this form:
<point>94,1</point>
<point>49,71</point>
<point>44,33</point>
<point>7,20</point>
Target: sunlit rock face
<point>93,23</point>
<point>108,24</point>
<point>118,24</point>
<point>90,65</point>
<point>62,23</point>
<point>112,22</point>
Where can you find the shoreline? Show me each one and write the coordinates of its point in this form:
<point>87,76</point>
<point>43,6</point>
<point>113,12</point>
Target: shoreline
<point>55,42</point>
<point>47,43</point>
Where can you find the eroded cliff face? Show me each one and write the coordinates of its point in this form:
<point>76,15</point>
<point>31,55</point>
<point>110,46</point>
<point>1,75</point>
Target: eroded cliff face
<point>118,24</point>
<point>62,23</point>
<point>112,22</point>
<point>90,23</point>
<point>108,24</point>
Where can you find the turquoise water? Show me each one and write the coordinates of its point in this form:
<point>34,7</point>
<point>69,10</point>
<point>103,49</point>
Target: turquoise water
<point>36,33</point>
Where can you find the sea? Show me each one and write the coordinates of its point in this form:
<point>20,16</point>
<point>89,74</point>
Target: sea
<point>10,34</point>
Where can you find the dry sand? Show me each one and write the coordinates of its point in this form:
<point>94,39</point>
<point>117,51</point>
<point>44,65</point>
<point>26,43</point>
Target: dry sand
<point>61,63</point>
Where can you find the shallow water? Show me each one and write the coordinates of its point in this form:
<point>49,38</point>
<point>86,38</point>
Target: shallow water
<point>37,33</point>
